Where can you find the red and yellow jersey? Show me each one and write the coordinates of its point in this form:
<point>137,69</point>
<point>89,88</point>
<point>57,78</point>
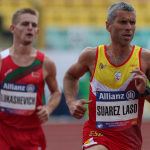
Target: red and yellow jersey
<point>116,104</point>
<point>22,91</point>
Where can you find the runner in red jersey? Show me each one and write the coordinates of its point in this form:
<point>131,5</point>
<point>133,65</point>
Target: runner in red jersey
<point>23,74</point>
<point>118,86</point>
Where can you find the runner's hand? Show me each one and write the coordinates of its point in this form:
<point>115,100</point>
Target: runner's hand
<point>77,108</point>
<point>43,113</point>
<point>140,80</point>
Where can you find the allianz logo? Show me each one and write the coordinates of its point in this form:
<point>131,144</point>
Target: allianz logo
<point>130,95</point>
<point>10,86</point>
<point>113,96</point>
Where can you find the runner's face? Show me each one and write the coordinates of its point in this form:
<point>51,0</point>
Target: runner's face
<point>123,28</point>
<point>25,30</point>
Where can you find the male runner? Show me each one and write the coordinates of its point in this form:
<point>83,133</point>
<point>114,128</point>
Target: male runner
<point>118,77</point>
<point>23,73</point>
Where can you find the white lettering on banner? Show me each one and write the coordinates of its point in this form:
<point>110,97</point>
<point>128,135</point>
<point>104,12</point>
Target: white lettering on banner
<point>109,96</point>
<point>129,95</point>
<point>9,86</point>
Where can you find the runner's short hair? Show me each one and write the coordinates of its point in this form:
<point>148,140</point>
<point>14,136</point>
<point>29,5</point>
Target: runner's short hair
<point>23,11</point>
<point>111,14</point>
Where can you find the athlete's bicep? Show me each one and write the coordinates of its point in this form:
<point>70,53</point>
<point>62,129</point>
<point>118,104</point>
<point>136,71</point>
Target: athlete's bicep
<point>79,68</point>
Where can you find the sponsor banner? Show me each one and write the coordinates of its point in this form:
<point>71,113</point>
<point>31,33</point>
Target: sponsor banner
<point>116,109</point>
<point>18,99</point>
<point>16,111</point>
<point>117,124</point>
<point>112,96</point>
<point>19,87</point>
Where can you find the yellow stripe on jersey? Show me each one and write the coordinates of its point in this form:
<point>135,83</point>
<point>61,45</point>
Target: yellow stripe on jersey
<point>115,76</point>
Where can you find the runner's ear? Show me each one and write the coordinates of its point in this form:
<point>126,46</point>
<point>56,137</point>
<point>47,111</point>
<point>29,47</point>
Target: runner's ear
<point>38,31</point>
<point>11,28</point>
<point>108,26</point>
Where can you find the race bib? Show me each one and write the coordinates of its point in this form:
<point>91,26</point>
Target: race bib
<point>116,109</point>
<point>19,99</point>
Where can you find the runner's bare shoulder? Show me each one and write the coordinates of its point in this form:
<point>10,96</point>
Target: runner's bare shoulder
<point>49,66</point>
<point>145,55</point>
<point>145,61</point>
<point>88,54</point>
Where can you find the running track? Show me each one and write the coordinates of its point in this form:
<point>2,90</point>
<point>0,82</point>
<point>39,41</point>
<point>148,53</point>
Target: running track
<point>68,135</point>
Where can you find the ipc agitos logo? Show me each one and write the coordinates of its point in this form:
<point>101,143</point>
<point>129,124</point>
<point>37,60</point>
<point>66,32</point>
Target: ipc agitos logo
<point>130,95</point>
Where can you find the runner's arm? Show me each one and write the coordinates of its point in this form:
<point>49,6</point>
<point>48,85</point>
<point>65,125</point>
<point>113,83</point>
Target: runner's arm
<point>55,93</point>
<point>71,83</point>
<point>144,75</point>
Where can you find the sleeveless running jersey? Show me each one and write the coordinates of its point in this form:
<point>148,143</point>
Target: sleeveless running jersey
<point>22,91</point>
<point>116,104</point>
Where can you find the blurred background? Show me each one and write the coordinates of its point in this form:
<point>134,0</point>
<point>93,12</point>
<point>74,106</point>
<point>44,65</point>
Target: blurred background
<point>69,26</point>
